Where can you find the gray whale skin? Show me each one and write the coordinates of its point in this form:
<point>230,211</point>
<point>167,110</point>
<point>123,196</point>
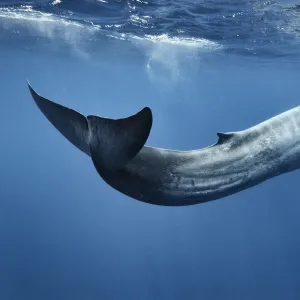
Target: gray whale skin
<point>239,160</point>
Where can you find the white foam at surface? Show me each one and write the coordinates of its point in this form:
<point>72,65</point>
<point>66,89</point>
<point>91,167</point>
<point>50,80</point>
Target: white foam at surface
<point>166,56</point>
<point>47,24</point>
<point>56,2</point>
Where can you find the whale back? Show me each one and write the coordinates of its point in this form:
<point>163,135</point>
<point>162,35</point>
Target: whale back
<point>115,142</point>
<point>71,124</point>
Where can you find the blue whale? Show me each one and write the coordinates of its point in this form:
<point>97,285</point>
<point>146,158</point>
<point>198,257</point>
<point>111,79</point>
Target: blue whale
<point>237,161</point>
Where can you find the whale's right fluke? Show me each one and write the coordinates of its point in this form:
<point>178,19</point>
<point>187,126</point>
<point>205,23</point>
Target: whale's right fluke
<point>114,143</point>
<point>71,124</point>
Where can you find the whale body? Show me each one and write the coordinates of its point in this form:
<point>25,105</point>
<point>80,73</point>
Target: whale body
<point>238,161</point>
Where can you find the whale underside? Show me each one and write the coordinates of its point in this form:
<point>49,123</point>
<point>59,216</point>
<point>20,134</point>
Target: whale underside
<point>238,161</point>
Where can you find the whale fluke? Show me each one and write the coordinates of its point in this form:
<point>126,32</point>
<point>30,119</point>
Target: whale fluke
<point>112,143</point>
<point>71,124</point>
<point>115,142</point>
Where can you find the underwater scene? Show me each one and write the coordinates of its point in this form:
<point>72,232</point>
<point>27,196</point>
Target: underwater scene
<point>99,207</point>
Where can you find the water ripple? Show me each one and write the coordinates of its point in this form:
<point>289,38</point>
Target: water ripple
<point>257,28</point>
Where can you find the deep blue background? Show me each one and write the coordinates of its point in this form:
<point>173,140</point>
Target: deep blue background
<point>65,234</point>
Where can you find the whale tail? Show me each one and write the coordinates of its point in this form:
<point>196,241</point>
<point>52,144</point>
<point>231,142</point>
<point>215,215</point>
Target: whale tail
<point>114,143</point>
<point>71,124</point>
<point>111,143</point>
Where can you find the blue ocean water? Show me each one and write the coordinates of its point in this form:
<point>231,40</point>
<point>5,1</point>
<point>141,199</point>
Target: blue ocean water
<point>202,67</point>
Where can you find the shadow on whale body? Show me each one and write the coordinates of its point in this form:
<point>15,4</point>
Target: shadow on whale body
<point>239,160</point>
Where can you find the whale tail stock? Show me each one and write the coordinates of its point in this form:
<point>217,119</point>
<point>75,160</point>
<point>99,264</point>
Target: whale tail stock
<point>111,143</point>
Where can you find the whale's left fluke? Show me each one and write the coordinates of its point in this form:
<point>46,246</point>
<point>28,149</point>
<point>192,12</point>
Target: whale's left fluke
<point>71,124</point>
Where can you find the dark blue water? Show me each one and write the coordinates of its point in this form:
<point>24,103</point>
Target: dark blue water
<point>202,67</point>
<point>261,28</point>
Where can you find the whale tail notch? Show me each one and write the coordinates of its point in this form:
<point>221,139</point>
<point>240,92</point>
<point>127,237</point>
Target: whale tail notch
<point>111,143</point>
<point>115,142</point>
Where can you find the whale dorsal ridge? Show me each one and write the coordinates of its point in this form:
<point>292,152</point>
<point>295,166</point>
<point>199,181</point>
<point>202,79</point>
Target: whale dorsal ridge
<point>223,137</point>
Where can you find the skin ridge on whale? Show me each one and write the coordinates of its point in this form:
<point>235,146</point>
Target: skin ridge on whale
<point>238,161</point>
